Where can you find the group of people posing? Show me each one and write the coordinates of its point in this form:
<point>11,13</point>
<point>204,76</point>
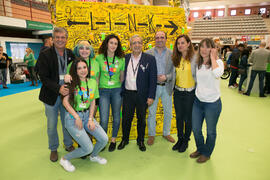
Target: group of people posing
<point>75,83</point>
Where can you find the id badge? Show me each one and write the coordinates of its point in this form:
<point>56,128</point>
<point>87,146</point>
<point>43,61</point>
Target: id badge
<point>61,77</point>
<point>82,105</point>
<point>110,83</point>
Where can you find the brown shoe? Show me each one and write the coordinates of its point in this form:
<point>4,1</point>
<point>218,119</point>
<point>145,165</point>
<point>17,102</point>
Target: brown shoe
<point>169,138</point>
<point>54,156</point>
<point>150,140</point>
<point>202,159</point>
<point>69,149</point>
<point>195,154</point>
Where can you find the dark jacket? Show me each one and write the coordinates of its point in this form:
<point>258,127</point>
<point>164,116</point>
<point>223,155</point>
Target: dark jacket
<point>235,58</point>
<point>49,75</point>
<point>146,77</point>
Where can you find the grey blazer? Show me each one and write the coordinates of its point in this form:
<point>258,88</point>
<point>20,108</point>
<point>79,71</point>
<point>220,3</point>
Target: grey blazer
<point>169,69</point>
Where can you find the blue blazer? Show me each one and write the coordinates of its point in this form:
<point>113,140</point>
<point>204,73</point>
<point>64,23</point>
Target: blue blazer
<point>146,77</point>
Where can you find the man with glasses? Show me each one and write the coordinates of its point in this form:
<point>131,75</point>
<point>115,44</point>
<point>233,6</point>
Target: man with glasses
<point>164,91</point>
<point>139,90</point>
<point>52,67</point>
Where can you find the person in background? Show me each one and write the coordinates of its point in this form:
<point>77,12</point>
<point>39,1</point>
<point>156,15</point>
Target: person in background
<point>267,78</point>
<point>139,90</point>
<point>112,65</point>
<point>207,104</point>
<point>80,104</point>
<point>53,64</point>
<point>48,42</point>
<point>4,64</point>
<point>259,59</point>
<point>184,79</point>
<point>163,57</point>
<point>29,59</point>
<point>243,68</point>
<point>234,62</point>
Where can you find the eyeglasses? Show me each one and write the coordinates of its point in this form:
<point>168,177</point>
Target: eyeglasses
<point>136,42</point>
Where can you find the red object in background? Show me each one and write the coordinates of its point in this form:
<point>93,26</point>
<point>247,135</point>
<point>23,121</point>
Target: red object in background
<point>26,72</point>
<point>244,38</point>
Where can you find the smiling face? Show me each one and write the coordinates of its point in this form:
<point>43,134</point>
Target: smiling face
<point>205,51</point>
<point>160,39</point>
<point>182,45</point>
<point>60,40</point>
<point>84,51</point>
<point>82,70</point>
<point>112,45</point>
<point>136,45</point>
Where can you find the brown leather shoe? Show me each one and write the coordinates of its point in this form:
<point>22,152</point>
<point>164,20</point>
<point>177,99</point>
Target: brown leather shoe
<point>54,156</point>
<point>69,149</point>
<point>202,159</point>
<point>169,138</point>
<point>151,140</point>
<point>195,154</point>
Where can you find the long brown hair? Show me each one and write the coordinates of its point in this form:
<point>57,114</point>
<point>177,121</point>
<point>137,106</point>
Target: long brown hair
<point>104,47</point>
<point>177,55</point>
<point>75,78</point>
<point>210,44</point>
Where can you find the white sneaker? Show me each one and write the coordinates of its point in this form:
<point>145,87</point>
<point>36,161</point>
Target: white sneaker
<point>98,159</point>
<point>232,87</point>
<point>67,165</point>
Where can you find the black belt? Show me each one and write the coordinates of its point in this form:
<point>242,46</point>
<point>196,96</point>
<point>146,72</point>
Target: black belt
<point>161,84</point>
<point>84,110</point>
<point>132,91</point>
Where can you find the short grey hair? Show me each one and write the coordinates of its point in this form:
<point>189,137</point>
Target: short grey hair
<point>60,30</point>
<point>135,36</point>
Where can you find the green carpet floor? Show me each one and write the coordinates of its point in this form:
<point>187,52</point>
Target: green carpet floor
<point>241,151</point>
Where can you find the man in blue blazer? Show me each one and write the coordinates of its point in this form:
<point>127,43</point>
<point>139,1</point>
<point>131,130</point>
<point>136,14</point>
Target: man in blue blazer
<point>139,90</point>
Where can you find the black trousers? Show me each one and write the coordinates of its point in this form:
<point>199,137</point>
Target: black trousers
<point>132,101</point>
<point>183,103</point>
<point>267,83</point>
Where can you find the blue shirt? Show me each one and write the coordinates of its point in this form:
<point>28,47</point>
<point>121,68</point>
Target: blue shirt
<point>161,61</point>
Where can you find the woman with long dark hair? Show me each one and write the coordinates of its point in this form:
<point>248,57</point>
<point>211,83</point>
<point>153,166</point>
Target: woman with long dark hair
<point>207,103</point>
<point>80,104</point>
<point>184,63</point>
<point>112,64</point>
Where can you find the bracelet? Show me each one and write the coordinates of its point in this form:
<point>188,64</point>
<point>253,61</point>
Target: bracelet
<point>90,119</point>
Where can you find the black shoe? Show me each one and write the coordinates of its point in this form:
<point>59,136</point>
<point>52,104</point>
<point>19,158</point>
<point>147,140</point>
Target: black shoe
<point>246,94</point>
<point>177,145</point>
<point>5,87</point>
<point>141,146</point>
<point>112,146</point>
<point>122,145</point>
<point>70,149</point>
<point>183,147</point>
<point>263,95</point>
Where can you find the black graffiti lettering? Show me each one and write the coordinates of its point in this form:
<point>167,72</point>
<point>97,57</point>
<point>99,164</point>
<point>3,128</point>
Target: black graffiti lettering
<point>91,18</point>
<point>120,23</point>
<point>142,24</point>
<point>150,22</point>
<point>171,26</point>
<point>132,22</point>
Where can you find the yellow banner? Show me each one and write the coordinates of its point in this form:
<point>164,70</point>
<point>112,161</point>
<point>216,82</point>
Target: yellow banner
<point>93,21</point>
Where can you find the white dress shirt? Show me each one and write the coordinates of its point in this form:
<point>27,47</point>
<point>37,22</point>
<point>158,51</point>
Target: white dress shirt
<point>130,83</point>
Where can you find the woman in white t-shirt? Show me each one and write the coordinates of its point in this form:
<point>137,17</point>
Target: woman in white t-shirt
<point>207,104</point>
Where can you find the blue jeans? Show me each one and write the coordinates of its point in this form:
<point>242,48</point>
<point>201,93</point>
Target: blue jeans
<point>81,137</point>
<point>3,73</point>
<point>252,78</point>
<point>242,79</point>
<point>166,100</point>
<point>52,119</point>
<point>109,97</point>
<point>210,112</point>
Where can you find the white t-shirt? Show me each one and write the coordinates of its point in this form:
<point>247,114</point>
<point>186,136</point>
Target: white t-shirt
<point>208,89</point>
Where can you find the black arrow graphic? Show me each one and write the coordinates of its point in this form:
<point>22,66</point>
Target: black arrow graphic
<point>102,23</point>
<point>171,26</point>
<point>119,23</point>
<point>158,25</point>
<point>142,24</point>
<point>76,23</point>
